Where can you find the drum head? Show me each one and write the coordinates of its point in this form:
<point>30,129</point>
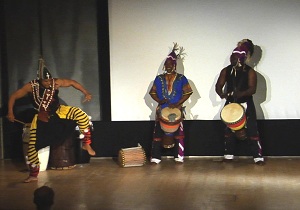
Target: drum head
<point>170,114</point>
<point>232,113</point>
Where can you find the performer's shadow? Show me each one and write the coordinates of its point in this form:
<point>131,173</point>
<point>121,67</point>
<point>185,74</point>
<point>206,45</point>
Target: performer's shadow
<point>262,94</point>
<point>150,102</point>
<point>189,104</point>
<point>259,97</point>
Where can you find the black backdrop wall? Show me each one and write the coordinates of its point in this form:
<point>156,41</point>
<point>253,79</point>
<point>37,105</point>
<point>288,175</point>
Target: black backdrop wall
<point>203,138</point>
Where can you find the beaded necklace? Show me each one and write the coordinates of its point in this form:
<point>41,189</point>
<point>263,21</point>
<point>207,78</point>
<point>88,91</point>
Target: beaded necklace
<point>42,102</point>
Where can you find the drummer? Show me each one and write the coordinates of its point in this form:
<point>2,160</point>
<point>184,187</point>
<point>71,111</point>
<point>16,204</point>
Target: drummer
<point>169,89</point>
<point>241,81</point>
<point>54,122</point>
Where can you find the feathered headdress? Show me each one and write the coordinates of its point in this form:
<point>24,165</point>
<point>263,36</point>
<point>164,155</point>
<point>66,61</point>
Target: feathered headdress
<point>173,56</point>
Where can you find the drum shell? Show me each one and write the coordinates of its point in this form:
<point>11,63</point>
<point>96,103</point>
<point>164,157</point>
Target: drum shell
<point>169,128</point>
<point>168,141</point>
<point>165,124</point>
<point>239,122</point>
<point>237,125</point>
<point>62,156</point>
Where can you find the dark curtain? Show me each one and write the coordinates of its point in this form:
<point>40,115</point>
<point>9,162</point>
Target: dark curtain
<point>65,33</point>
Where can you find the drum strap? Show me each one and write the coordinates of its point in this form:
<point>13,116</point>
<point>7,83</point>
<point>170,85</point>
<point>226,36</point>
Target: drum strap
<point>236,87</point>
<point>242,78</point>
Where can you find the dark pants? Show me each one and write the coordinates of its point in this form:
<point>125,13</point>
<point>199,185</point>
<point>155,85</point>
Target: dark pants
<point>178,149</point>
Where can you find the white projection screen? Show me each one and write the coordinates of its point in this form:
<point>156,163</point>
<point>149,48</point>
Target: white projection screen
<point>142,33</point>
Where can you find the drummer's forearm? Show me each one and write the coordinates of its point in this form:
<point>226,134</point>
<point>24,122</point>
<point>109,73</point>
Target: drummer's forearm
<point>249,92</point>
<point>219,91</point>
<point>11,104</point>
<point>183,99</point>
<point>154,97</point>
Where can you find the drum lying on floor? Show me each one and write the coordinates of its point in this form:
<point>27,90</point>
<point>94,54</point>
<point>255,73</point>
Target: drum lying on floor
<point>134,156</point>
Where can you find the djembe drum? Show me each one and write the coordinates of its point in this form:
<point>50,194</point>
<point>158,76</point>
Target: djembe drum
<point>134,156</point>
<point>169,119</point>
<point>69,153</point>
<point>62,156</point>
<point>234,116</point>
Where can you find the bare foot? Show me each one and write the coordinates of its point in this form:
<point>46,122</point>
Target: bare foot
<point>89,149</point>
<point>30,179</point>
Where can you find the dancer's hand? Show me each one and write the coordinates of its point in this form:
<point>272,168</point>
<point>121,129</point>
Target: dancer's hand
<point>163,101</point>
<point>88,97</point>
<point>11,117</point>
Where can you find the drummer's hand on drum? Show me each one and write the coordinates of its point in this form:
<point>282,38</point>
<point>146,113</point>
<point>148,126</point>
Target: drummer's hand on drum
<point>224,95</point>
<point>237,94</point>
<point>163,101</point>
<point>11,117</point>
<point>174,106</point>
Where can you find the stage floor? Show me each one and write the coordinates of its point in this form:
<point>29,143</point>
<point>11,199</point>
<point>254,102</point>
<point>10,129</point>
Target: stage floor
<point>199,183</point>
